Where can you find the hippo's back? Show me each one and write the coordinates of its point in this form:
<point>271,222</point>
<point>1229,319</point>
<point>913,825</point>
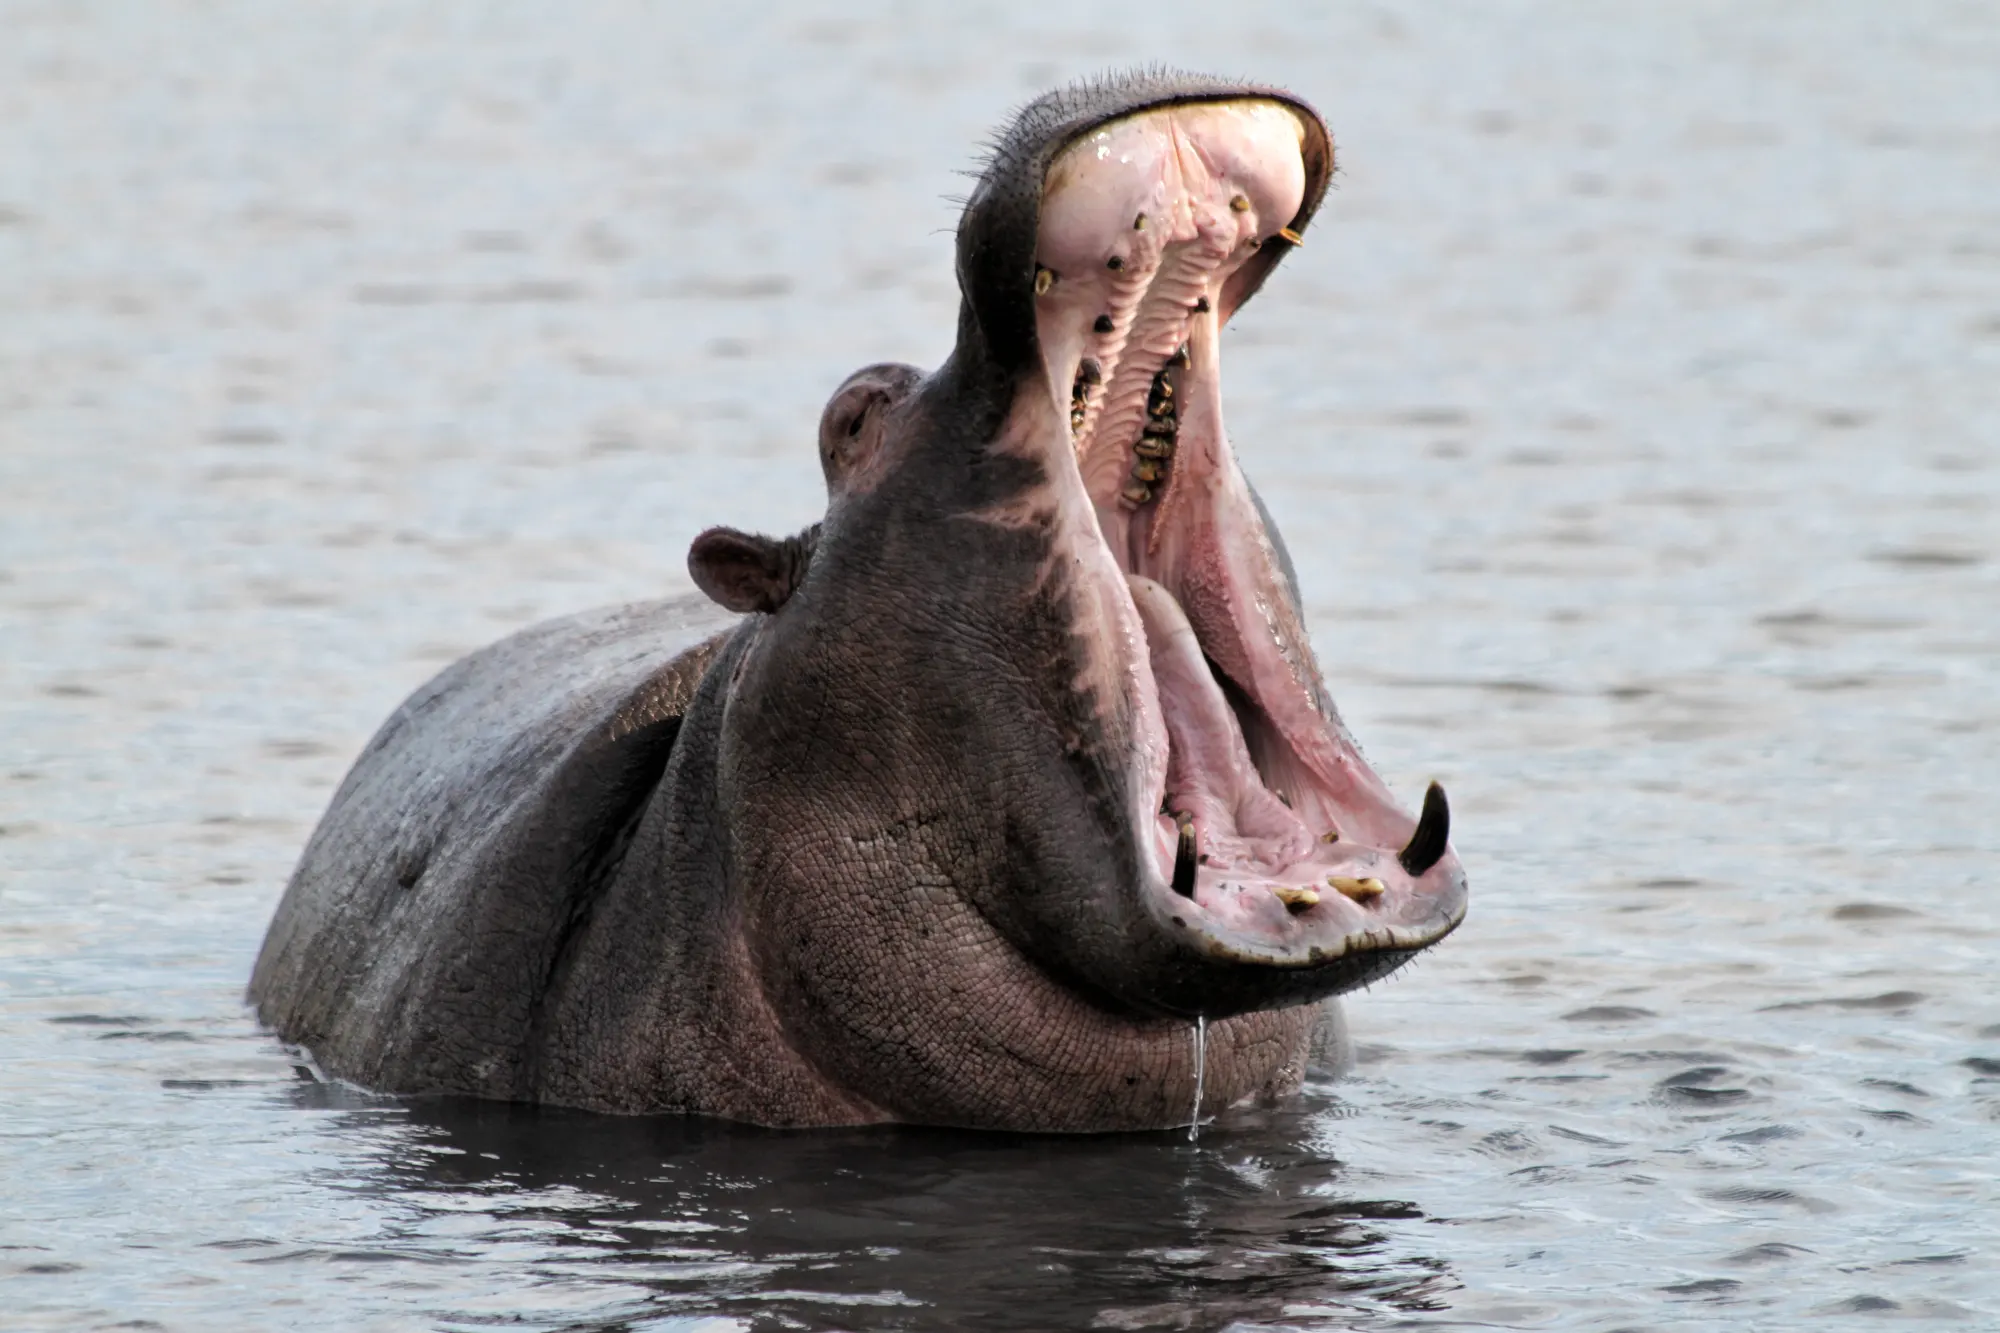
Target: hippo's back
<point>431,909</point>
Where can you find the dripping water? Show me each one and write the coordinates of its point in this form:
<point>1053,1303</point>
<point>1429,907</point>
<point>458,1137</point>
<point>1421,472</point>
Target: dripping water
<point>1200,1068</point>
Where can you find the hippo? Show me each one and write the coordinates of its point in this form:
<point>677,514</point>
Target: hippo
<point>1008,796</point>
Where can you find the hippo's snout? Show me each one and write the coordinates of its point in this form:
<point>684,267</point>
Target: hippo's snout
<point>1265,840</point>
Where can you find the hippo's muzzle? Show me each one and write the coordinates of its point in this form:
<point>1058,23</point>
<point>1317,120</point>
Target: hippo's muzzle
<point>1266,839</point>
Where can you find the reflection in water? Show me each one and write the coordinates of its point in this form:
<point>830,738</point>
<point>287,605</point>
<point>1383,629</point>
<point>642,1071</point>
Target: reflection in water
<point>902,1228</point>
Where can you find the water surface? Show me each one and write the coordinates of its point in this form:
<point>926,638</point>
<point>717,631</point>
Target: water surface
<point>1633,414</point>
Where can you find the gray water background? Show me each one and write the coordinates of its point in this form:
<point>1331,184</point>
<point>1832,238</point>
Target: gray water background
<point>1633,413</point>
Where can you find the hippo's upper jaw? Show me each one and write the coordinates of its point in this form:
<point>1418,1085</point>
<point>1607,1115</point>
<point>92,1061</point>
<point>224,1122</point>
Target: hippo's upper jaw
<point>1265,841</point>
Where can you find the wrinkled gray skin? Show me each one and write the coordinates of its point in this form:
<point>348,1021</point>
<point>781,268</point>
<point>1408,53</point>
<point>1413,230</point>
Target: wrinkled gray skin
<point>846,847</point>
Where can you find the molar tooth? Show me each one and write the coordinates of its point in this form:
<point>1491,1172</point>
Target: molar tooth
<point>1089,371</point>
<point>1297,900</point>
<point>1331,835</point>
<point>1115,263</point>
<point>1135,495</point>
<point>1201,305</point>
<point>1180,356</point>
<point>1146,470</point>
<point>1360,890</point>
<point>1103,324</point>
<point>1154,446</point>
<point>1139,223</point>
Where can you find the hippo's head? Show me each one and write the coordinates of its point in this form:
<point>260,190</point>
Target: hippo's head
<point>1042,701</point>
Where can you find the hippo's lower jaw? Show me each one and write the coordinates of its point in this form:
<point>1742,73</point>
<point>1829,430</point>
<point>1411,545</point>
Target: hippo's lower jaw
<point>1265,837</point>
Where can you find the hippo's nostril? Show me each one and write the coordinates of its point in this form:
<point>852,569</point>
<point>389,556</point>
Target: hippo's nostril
<point>1426,845</point>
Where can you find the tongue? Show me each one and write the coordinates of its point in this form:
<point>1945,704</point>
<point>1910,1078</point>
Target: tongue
<point>1238,822</point>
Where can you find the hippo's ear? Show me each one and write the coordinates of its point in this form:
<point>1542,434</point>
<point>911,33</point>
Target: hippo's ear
<point>850,429</point>
<point>749,572</point>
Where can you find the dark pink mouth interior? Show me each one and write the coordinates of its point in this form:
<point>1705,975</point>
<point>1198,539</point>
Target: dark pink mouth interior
<point>1143,222</point>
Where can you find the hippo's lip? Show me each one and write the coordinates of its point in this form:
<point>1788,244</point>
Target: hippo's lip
<point>1143,221</point>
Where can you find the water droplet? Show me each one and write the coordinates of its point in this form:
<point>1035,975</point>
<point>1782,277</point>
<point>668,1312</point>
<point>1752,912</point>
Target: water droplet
<point>1200,1069</point>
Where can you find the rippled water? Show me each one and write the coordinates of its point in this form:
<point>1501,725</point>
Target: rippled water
<point>1634,415</point>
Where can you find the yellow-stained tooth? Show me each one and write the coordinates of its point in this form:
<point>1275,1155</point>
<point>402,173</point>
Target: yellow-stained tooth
<point>1360,890</point>
<point>1296,899</point>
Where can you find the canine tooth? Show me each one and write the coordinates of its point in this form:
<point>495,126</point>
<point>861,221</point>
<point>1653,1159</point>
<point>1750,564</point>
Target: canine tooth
<point>1298,900</point>
<point>1239,204</point>
<point>1184,860</point>
<point>1360,890</point>
<point>1287,234</point>
<point>1045,278</point>
<point>1139,223</point>
<point>1331,835</point>
<point>1433,832</point>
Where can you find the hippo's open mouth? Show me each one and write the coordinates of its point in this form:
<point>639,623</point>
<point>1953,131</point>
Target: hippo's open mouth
<point>1270,839</point>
